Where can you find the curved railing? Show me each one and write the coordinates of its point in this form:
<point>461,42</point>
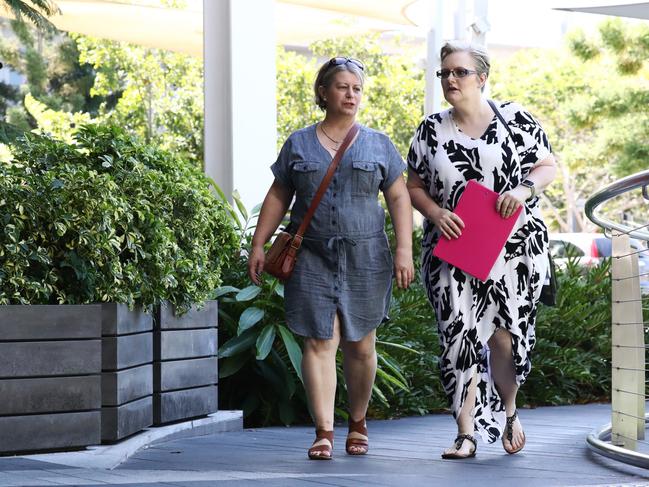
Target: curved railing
<point>624,185</point>
<point>623,438</point>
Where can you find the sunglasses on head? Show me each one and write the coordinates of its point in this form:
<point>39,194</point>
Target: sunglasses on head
<point>338,61</point>
<point>457,73</point>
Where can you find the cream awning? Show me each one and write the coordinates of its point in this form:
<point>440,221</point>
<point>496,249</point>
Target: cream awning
<point>299,22</point>
<point>631,9</point>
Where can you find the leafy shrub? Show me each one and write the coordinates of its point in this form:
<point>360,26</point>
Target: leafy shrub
<point>571,360</point>
<point>392,96</point>
<point>260,358</point>
<point>412,325</point>
<point>107,218</point>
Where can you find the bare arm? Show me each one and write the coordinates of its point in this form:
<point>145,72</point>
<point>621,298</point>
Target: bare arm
<point>542,174</point>
<point>448,222</point>
<point>398,202</point>
<point>272,211</point>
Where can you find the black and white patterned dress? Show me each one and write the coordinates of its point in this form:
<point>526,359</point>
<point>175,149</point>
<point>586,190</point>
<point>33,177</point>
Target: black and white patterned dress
<point>468,311</point>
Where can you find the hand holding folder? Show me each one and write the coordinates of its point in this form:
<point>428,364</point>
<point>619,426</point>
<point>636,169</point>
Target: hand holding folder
<point>484,236</point>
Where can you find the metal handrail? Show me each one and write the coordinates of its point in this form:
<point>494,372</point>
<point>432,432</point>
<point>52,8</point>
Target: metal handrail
<point>637,180</point>
<point>599,440</point>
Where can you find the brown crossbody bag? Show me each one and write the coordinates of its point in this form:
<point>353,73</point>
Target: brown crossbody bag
<point>282,255</point>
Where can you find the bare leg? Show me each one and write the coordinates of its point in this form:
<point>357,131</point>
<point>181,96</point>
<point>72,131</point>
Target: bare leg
<point>465,420</point>
<point>502,370</point>
<point>359,361</point>
<point>319,374</point>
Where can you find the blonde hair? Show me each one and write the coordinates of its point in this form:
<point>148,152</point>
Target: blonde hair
<point>326,75</point>
<point>477,52</point>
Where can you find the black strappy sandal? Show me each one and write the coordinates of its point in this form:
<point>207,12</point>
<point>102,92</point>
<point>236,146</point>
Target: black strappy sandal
<point>509,433</point>
<point>459,439</point>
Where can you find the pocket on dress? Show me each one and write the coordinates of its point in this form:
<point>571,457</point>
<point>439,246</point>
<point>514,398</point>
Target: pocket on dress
<point>305,177</point>
<point>365,178</point>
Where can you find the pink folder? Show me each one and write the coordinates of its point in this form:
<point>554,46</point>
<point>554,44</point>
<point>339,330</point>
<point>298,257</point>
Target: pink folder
<point>484,235</point>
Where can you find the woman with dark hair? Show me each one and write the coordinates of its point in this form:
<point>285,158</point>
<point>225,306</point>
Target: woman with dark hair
<point>340,289</point>
<point>486,329</point>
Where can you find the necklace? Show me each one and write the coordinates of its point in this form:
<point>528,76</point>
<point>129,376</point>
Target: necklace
<point>327,136</point>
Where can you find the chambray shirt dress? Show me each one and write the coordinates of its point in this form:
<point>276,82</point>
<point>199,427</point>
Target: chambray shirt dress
<point>345,264</point>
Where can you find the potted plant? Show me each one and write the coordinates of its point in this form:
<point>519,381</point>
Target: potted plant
<point>102,219</point>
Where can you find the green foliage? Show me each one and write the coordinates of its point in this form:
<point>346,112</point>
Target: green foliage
<point>58,124</point>
<point>154,93</point>
<point>73,79</point>
<point>575,101</point>
<point>619,110</point>
<point>295,98</point>
<point>35,11</point>
<point>571,360</point>
<point>54,76</point>
<point>260,358</point>
<point>412,325</point>
<point>393,94</point>
<point>581,46</point>
<point>107,218</point>
<point>9,132</point>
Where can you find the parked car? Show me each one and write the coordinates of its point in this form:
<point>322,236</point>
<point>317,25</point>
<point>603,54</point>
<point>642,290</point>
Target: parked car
<point>590,248</point>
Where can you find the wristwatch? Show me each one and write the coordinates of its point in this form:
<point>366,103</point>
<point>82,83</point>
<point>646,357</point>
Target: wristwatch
<point>530,185</point>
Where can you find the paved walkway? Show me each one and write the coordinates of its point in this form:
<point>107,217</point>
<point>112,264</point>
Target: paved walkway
<point>403,453</point>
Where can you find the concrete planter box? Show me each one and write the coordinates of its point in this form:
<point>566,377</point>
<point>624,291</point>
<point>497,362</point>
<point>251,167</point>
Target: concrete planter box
<point>50,377</point>
<point>185,373</point>
<point>126,378</point>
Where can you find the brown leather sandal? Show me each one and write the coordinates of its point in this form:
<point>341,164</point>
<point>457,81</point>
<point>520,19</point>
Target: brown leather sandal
<point>360,445</point>
<point>459,439</point>
<point>322,452</point>
<point>509,433</point>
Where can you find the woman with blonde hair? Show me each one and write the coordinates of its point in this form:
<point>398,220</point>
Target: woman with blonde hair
<point>486,329</point>
<point>340,289</point>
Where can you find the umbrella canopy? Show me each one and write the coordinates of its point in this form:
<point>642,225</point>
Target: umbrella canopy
<point>631,9</point>
<point>148,23</point>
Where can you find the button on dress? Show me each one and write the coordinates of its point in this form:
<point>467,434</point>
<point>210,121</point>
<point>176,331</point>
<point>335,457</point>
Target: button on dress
<point>345,263</point>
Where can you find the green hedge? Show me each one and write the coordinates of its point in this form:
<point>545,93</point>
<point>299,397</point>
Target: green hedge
<point>571,362</point>
<point>107,218</point>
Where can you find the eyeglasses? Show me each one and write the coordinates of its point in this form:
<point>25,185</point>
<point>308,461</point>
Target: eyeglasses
<point>457,73</point>
<point>338,61</point>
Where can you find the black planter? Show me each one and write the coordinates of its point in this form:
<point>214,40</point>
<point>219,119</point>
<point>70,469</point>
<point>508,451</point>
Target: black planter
<point>185,373</point>
<point>126,379</point>
<point>50,382</point>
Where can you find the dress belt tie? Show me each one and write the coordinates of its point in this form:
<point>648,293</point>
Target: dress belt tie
<point>339,239</point>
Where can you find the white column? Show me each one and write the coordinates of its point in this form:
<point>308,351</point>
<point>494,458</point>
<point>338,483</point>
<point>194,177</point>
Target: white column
<point>460,25</point>
<point>217,86</point>
<point>433,93</point>
<point>480,24</point>
<point>240,99</point>
<point>254,115</point>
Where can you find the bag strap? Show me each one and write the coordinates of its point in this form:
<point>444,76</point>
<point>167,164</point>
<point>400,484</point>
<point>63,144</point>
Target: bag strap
<point>509,130</point>
<point>502,119</point>
<point>551,272</point>
<point>297,240</point>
